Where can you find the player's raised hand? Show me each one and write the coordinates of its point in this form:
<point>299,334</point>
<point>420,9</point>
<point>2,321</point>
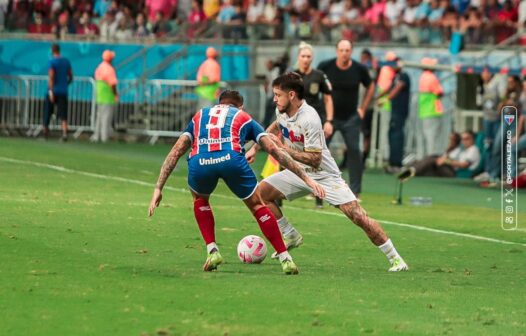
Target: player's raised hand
<point>277,140</point>
<point>156,200</point>
<point>317,189</point>
<point>250,155</point>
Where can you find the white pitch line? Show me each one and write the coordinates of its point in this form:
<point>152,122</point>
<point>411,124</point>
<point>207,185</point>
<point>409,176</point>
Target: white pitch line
<point>151,185</point>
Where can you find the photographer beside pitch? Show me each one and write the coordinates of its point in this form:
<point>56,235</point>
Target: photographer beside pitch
<point>216,135</point>
<point>302,132</point>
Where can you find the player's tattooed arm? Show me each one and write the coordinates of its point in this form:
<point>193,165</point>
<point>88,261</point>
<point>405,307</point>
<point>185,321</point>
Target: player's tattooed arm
<point>280,154</point>
<point>312,159</point>
<point>179,149</point>
<point>273,128</point>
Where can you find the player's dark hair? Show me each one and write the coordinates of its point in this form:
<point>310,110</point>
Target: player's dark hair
<point>290,81</point>
<point>231,97</point>
<point>55,48</point>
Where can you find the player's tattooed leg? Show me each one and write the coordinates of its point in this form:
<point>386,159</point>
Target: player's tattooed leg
<point>358,215</point>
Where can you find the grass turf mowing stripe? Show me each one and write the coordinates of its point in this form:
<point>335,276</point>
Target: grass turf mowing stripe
<point>138,182</point>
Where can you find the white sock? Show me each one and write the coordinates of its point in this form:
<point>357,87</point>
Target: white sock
<point>210,247</point>
<point>284,256</point>
<point>286,228</point>
<point>389,250</point>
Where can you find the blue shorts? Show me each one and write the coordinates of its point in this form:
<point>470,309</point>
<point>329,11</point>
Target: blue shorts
<point>204,170</point>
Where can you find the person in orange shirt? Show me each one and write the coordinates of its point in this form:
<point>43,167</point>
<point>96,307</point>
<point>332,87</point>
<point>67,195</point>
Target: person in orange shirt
<point>208,78</point>
<point>430,108</point>
<point>106,96</point>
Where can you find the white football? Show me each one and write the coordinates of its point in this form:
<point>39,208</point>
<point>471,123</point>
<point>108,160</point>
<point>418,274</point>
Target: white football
<point>252,249</point>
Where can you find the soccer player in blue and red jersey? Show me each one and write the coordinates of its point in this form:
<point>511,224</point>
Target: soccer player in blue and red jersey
<point>216,136</point>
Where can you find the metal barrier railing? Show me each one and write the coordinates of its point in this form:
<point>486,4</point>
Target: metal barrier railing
<point>158,108</point>
<point>414,140</point>
<point>12,104</point>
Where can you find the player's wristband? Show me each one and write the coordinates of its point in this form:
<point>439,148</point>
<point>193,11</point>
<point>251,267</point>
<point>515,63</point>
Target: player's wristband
<point>329,121</point>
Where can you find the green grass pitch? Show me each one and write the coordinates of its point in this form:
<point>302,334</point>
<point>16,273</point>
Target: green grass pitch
<point>80,257</point>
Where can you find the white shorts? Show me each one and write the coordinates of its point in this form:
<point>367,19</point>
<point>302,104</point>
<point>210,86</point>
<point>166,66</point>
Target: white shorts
<point>337,192</point>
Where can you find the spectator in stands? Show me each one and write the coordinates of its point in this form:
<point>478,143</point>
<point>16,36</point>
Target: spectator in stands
<point>60,76</point>
<point>430,108</point>
<point>167,7</point>
<point>160,27</point>
<point>346,75</point>
<point>226,12</point>
<point>107,96</point>
<point>271,17</point>
<point>471,25</point>
<point>238,23</point>
<point>101,7</point>
<point>450,19</point>
<point>108,26</point>
<point>39,25</point>
<point>63,26</point>
<point>332,22</point>
<point>434,19</point>
<point>208,78</point>
<point>86,26</point>
<point>408,22</point>
<point>350,18</point>
<point>505,22</point>
<point>465,156</point>
<point>392,14</point>
<point>140,28</point>
<point>211,8</point>
<point>197,19</point>
<point>124,31</point>
<point>255,18</point>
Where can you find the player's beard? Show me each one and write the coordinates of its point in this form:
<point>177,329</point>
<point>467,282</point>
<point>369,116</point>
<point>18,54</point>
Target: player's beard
<point>285,109</point>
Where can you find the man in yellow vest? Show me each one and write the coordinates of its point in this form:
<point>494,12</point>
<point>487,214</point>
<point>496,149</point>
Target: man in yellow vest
<point>430,108</point>
<point>107,97</point>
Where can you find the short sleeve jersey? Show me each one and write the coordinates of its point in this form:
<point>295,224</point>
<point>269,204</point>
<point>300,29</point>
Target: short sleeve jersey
<point>222,128</point>
<point>61,66</point>
<point>345,86</point>
<point>304,133</point>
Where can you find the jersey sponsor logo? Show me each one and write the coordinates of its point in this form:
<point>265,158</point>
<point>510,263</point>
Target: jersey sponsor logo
<point>205,208</point>
<point>204,141</point>
<point>211,161</point>
<point>289,134</point>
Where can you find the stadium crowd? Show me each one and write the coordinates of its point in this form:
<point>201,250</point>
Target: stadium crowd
<point>412,21</point>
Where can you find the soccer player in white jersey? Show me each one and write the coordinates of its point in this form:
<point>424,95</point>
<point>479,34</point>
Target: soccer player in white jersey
<point>302,132</point>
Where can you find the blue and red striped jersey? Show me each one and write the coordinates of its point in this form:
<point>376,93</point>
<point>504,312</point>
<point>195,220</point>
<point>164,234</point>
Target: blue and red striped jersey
<point>222,128</point>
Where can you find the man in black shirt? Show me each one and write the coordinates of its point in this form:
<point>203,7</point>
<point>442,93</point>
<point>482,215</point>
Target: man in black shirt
<point>346,75</point>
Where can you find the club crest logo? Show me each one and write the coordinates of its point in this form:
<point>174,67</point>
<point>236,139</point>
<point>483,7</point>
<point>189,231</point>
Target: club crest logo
<point>509,119</point>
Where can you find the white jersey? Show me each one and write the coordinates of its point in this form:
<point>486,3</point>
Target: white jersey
<point>304,133</point>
